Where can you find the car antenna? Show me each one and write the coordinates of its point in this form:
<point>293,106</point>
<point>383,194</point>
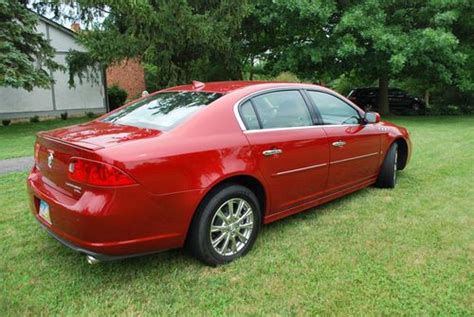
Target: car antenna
<point>198,84</point>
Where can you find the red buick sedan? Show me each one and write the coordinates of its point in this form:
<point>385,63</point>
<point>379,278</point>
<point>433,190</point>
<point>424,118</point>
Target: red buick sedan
<point>205,165</point>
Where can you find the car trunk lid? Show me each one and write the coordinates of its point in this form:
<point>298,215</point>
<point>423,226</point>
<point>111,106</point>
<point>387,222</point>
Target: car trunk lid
<point>57,147</point>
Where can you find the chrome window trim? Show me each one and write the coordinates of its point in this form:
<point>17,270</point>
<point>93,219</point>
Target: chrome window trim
<point>237,116</point>
<point>300,128</point>
<point>274,89</point>
<point>351,105</point>
<point>283,88</point>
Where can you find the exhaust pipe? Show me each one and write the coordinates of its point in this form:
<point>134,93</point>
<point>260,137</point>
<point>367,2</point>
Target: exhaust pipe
<point>92,260</point>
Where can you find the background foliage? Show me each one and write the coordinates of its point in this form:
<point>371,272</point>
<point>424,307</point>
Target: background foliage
<point>117,97</point>
<point>425,46</point>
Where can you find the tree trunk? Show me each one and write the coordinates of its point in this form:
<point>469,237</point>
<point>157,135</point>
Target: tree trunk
<point>383,95</point>
<point>427,97</point>
<point>251,69</point>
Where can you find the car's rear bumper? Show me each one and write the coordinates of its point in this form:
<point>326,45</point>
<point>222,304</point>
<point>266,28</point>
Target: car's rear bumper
<point>98,256</point>
<point>113,224</point>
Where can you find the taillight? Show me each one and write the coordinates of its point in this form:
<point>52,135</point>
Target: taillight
<point>97,173</point>
<point>37,149</point>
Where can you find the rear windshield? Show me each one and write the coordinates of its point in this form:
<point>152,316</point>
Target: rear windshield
<point>163,111</point>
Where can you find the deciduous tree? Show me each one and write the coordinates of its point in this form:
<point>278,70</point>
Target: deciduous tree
<point>383,40</point>
<point>182,39</point>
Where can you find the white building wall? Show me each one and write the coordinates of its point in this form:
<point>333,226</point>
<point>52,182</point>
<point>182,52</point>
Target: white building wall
<point>19,103</point>
<point>61,41</point>
<point>19,100</point>
<point>89,95</point>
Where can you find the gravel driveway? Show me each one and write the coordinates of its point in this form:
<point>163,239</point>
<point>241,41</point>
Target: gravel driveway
<point>18,164</point>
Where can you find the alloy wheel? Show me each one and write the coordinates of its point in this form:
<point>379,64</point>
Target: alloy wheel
<point>231,226</point>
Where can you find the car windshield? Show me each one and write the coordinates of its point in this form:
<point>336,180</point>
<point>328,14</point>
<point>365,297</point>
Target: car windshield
<point>162,111</point>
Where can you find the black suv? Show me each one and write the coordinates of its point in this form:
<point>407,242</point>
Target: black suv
<point>399,101</point>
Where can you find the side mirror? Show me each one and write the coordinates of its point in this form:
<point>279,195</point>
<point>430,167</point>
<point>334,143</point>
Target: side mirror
<point>372,117</point>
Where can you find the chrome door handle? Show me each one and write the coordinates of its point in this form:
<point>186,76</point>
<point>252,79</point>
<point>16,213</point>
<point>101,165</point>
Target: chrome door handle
<point>272,152</point>
<point>338,143</point>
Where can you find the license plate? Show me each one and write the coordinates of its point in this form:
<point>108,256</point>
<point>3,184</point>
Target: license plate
<point>44,211</point>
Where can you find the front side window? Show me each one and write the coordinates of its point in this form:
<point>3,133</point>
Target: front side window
<point>282,109</point>
<point>333,110</point>
<point>163,111</point>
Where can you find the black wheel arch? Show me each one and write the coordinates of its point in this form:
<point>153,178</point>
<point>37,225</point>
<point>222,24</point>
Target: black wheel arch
<point>402,153</point>
<point>250,182</point>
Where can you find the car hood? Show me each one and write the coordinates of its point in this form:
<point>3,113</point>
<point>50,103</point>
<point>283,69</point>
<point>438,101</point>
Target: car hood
<point>97,135</point>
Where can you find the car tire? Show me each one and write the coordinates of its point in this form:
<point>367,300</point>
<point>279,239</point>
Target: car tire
<point>388,173</point>
<point>220,231</point>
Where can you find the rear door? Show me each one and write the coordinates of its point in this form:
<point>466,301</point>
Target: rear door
<point>354,147</point>
<point>291,152</point>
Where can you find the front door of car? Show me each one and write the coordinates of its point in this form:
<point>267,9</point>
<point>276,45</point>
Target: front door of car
<point>354,147</point>
<point>290,151</point>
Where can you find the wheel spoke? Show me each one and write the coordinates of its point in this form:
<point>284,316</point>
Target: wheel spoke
<point>218,228</point>
<point>233,244</point>
<point>247,213</point>
<point>247,225</point>
<point>216,242</point>
<point>221,215</point>
<point>239,209</point>
<point>226,244</point>
<point>230,206</point>
<point>241,237</point>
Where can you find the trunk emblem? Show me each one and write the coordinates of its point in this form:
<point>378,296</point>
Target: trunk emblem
<point>50,159</point>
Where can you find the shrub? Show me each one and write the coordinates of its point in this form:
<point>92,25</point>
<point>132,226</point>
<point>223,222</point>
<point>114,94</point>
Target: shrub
<point>90,114</point>
<point>34,119</point>
<point>64,115</point>
<point>116,96</point>
<point>6,122</point>
<point>287,77</point>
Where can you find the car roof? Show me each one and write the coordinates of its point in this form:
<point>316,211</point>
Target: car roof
<point>223,87</point>
<point>376,88</point>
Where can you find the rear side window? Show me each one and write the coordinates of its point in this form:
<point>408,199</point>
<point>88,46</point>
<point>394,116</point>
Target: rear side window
<point>163,111</point>
<point>248,116</point>
<point>282,109</point>
<point>333,110</point>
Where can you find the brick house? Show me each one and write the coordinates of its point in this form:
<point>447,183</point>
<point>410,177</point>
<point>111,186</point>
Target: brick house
<point>128,75</point>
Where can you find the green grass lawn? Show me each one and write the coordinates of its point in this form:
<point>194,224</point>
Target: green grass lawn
<point>18,139</point>
<point>406,251</point>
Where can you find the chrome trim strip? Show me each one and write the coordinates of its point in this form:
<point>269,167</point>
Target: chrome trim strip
<point>282,129</point>
<point>244,129</point>
<point>237,116</point>
<point>73,186</point>
<point>241,100</point>
<point>299,169</point>
<point>355,158</point>
<point>299,128</point>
